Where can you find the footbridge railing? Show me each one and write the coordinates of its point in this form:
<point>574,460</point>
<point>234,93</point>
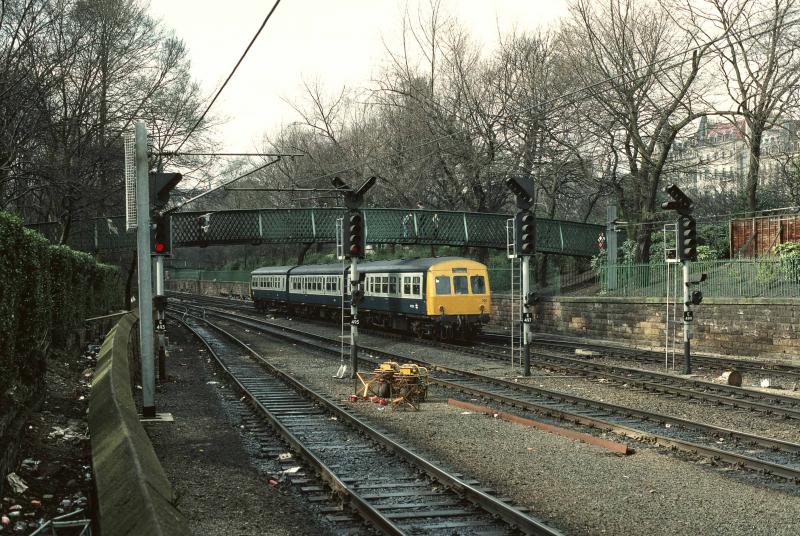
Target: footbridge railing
<point>317,225</point>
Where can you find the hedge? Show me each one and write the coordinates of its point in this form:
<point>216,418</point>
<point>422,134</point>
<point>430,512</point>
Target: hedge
<point>46,292</point>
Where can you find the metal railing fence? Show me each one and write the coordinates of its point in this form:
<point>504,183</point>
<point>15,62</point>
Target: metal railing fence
<point>745,278</point>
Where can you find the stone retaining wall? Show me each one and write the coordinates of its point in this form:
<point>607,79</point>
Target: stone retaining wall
<point>744,327</point>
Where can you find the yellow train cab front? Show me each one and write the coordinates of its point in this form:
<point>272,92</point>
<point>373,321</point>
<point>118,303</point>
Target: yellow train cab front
<point>458,287</point>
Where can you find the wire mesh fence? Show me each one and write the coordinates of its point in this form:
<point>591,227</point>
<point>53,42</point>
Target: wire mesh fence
<point>746,278</point>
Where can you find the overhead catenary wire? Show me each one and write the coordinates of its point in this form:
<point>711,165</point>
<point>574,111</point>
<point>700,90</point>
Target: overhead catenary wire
<point>223,185</point>
<point>225,83</point>
<point>175,153</point>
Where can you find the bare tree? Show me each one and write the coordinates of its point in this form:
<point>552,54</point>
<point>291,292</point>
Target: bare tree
<point>626,51</point>
<point>761,66</point>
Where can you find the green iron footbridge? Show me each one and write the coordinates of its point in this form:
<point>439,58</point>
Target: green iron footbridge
<point>318,225</point>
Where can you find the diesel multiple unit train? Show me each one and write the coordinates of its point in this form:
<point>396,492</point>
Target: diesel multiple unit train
<point>443,297</point>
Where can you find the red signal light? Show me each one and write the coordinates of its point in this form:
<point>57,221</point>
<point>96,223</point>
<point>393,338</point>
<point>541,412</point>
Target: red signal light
<point>160,246</point>
<point>354,250</point>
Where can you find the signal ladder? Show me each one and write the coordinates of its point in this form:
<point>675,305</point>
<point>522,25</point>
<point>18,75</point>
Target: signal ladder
<point>344,313</point>
<point>673,292</point>
<point>516,309</point>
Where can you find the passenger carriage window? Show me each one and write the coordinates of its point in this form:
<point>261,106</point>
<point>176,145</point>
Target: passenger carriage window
<point>393,284</point>
<point>478,284</point>
<point>385,284</point>
<point>406,285</point>
<point>416,287</point>
<point>460,284</point>
<point>442,285</point>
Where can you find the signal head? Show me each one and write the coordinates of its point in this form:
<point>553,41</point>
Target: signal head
<point>357,246</point>
<point>522,190</point>
<point>687,238</point>
<point>680,203</point>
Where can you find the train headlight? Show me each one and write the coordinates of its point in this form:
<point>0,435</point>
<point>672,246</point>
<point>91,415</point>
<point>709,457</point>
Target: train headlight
<point>441,309</point>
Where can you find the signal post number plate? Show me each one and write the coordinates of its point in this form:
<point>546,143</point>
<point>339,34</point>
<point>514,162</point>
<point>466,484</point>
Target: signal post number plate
<point>688,316</point>
<point>527,318</point>
<point>354,322</point>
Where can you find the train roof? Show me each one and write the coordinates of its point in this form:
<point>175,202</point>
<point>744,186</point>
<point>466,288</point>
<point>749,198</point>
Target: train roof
<point>320,269</point>
<point>387,266</point>
<point>272,270</point>
<point>407,265</point>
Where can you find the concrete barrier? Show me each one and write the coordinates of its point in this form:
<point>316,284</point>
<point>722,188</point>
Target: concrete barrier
<point>133,494</point>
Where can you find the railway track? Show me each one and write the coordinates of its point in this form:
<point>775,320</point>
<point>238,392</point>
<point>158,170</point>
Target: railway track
<point>758,453</point>
<point>648,356</point>
<point>770,404</point>
<point>726,395</point>
<point>408,495</point>
<point>568,346</point>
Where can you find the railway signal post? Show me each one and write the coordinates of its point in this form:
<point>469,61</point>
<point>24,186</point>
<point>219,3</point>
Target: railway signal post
<point>524,247</point>
<point>161,184</point>
<point>687,252</point>
<point>354,250</point>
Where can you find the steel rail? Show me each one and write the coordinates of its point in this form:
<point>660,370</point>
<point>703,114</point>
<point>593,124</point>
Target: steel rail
<point>327,474</point>
<point>650,356</point>
<point>737,397</point>
<point>783,471</point>
<point>510,515</point>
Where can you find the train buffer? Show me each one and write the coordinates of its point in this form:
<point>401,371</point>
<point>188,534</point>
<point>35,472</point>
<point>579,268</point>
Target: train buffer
<point>402,385</point>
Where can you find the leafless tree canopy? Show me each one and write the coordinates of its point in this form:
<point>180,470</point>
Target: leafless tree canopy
<point>593,110</point>
<point>74,75</point>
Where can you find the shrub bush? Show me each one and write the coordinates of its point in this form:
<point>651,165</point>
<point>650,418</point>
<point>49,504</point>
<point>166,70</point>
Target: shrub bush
<point>789,254</point>
<point>47,292</point>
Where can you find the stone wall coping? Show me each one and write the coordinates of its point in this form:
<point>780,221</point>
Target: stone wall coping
<point>133,493</point>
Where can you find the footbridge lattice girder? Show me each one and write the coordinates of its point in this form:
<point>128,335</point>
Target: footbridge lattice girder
<point>317,225</point>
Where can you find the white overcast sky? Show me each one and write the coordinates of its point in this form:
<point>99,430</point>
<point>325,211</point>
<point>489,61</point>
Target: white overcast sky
<point>334,42</point>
